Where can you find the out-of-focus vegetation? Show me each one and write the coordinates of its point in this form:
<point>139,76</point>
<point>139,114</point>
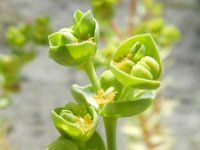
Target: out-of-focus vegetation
<point>21,41</point>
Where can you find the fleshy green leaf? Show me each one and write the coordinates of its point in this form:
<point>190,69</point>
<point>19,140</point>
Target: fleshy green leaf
<point>77,16</point>
<point>86,26</point>
<point>95,142</point>
<point>125,108</point>
<point>84,95</point>
<point>62,143</point>
<point>73,54</point>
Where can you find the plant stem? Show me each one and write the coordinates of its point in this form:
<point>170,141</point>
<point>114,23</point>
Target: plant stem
<point>115,28</point>
<point>146,132</point>
<point>90,71</point>
<point>110,124</point>
<point>132,11</point>
<point>125,93</point>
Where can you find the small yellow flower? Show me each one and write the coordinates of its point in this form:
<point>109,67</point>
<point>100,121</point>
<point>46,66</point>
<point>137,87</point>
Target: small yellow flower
<point>104,97</point>
<point>84,122</point>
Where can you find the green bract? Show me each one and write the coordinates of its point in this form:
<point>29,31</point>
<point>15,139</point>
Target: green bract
<point>136,63</point>
<point>76,45</point>
<point>85,26</point>
<point>116,108</point>
<point>75,121</point>
<point>62,143</point>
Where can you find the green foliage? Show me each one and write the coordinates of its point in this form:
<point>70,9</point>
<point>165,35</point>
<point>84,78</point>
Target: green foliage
<point>104,10</point>
<point>144,69</point>
<point>23,38</point>
<point>96,142</point>
<point>75,46</point>
<point>163,34</point>
<point>75,122</point>
<point>9,70</point>
<point>113,95</point>
<point>62,143</point>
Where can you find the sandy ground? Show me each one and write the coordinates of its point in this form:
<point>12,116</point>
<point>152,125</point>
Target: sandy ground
<point>47,83</point>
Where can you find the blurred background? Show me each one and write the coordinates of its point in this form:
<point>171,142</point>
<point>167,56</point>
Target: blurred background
<point>46,84</point>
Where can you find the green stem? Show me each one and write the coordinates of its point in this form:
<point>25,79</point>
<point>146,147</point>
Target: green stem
<point>90,71</point>
<point>125,93</point>
<point>110,124</point>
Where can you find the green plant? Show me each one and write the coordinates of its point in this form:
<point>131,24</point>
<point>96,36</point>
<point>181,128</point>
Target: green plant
<point>124,90</point>
<point>21,41</point>
<point>9,78</point>
<point>23,38</point>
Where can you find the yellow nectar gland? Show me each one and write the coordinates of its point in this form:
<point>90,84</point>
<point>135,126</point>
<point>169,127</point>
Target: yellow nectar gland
<point>103,97</point>
<point>84,122</point>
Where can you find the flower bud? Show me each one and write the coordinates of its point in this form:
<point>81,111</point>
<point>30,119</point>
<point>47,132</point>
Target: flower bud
<point>85,26</point>
<point>75,121</point>
<point>75,46</point>
<point>146,66</point>
<point>10,66</point>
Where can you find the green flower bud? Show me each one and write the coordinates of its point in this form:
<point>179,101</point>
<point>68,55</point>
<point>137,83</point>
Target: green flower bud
<point>104,9</point>
<point>143,53</point>
<point>75,46</point>
<point>107,80</point>
<point>85,26</point>
<point>15,37</point>
<point>61,38</point>
<point>169,34</point>
<point>41,29</point>
<point>10,66</point>
<point>125,65</point>
<point>75,122</point>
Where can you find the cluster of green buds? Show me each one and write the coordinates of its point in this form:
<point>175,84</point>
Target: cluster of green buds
<point>9,68</point>
<point>79,120</point>
<point>76,45</point>
<point>23,37</point>
<point>104,10</point>
<point>36,31</point>
<point>136,63</point>
<point>163,34</point>
<point>9,78</point>
<point>41,29</point>
<point>121,91</point>
<point>150,8</point>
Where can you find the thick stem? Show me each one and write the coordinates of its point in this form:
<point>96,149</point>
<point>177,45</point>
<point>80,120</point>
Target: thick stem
<point>89,69</point>
<point>110,124</point>
<point>125,93</point>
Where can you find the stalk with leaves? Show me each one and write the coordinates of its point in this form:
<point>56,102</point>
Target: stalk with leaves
<point>124,90</point>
